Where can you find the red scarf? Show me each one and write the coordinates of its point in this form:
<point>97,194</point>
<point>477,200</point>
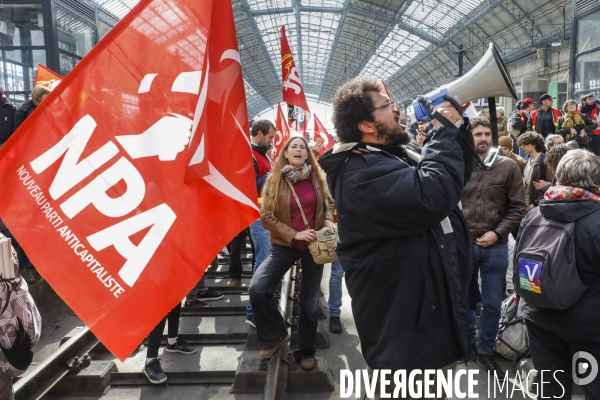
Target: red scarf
<point>570,193</point>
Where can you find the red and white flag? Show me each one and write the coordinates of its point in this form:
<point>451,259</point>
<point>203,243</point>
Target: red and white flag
<point>293,92</point>
<point>283,130</point>
<point>133,174</point>
<point>321,132</point>
<point>46,77</point>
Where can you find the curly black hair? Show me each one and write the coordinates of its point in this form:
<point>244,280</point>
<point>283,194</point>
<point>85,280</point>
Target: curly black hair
<point>554,155</point>
<point>352,104</point>
<point>533,138</point>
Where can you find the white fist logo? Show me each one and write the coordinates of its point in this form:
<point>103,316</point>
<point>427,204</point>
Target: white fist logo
<point>165,139</point>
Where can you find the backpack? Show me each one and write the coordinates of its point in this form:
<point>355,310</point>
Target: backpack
<point>512,341</point>
<point>545,274</point>
<point>20,327</point>
<point>20,324</point>
<point>511,130</point>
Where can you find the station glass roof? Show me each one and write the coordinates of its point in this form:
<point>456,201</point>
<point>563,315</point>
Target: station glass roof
<point>411,44</point>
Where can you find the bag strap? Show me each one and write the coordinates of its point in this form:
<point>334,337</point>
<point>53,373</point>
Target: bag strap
<point>9,283</point>
<point>298,201</point>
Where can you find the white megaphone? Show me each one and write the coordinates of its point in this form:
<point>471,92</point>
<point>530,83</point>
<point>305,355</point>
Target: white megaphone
<point>489,78</point>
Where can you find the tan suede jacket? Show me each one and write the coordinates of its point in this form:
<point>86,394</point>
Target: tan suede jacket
<point>282,233</point>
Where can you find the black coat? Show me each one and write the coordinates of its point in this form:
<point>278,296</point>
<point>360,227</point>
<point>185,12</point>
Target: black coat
<point>7,119</point>
<point>23,112</point>
<point>409,278</point>
<point>581,319</point>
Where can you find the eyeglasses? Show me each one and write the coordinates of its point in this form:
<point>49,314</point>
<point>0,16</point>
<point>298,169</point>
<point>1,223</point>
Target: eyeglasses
<point>387,104</point>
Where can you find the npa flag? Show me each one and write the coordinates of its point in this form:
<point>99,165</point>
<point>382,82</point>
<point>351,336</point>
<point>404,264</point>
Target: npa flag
<point>283,130</point>
<point>293,92</point>
<point>46,77</point>
<point>94,185</point>
<point>321,132</point>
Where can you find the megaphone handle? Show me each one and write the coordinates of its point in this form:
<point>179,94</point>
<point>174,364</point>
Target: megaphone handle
<point>493,120</point>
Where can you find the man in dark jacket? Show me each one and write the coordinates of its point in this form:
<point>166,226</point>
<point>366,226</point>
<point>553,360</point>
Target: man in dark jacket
<point>544,119</point>
<point>557,335</point>
<point>493,203</point>
<point>263,131</point>
<point>7,117</point>
<point>403,242</point>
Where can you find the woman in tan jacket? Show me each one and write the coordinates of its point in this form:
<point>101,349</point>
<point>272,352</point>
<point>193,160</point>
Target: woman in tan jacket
<point>295,167</point>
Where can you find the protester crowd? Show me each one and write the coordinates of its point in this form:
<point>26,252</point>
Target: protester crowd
<point>425,222</point>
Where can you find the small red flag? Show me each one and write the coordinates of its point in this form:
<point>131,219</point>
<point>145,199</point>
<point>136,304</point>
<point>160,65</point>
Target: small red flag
<point>384,89</point>
<point>321,132</point>
<point>293,92</point>
<point>283,131</point>
<point>46,77</point>
<point>135,172</point>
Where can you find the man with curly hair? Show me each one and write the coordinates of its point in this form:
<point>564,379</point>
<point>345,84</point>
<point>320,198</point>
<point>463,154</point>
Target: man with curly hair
<point>403,242</point>
<point>534,169</point>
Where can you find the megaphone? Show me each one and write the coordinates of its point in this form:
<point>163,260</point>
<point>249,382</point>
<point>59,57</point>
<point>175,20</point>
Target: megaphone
<point>489,78</point>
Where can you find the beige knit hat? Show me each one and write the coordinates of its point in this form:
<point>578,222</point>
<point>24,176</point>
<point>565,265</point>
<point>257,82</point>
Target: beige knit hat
<point>505,141</point>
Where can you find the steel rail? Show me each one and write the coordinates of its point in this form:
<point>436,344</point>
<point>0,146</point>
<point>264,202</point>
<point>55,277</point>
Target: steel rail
<point>41,379</point>
<point>275,385</point>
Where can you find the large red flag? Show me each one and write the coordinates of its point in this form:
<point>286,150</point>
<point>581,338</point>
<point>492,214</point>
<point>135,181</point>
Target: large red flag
<point>283,131</point>
<point>92,184</point>
<point>293,92</point>
<point>321,132</point>
<point>46,77</point>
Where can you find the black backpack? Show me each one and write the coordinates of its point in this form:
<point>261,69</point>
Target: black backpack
<point>545,274</point>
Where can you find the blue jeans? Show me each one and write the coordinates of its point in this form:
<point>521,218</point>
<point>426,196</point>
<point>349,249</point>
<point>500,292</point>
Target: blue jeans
<point>335,288</point>
<point>493,263</point>
<point>262,245</point>
<point>270,326</point>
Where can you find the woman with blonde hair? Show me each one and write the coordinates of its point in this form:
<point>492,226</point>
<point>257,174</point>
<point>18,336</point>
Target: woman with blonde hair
<point>295,186</point>
<point>574,126</point>
<point>37,96</point>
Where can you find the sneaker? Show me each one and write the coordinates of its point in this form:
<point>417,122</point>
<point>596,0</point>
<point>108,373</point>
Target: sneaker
<point>180,346</point>
<point>235,283</point>
<point>154,372</point>
<point>250,321</point>
<point>196,303</point>
<point>335,326</point>
<point>209,295</point>
<point>489,364</point>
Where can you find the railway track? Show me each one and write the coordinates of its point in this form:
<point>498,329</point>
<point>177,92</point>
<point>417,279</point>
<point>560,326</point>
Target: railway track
<point>83,366</point>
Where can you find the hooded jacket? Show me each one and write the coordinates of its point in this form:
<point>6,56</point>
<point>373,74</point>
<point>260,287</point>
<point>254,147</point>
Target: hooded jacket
<point>581,319</point>
<point>503,126</point>
<point>7,119</point>
<point>405,248</point>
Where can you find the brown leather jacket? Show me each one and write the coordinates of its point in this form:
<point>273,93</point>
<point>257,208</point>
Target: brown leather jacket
<point>494,200</point>
<point>282,233</point>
